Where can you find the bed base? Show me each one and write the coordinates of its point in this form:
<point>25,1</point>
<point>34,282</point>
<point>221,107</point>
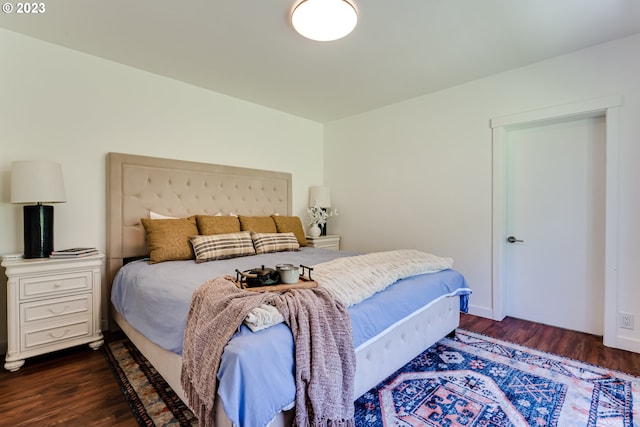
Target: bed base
<point>375,360</point>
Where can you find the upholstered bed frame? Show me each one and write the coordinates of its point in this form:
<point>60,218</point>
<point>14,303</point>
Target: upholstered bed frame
<point>138,185</point>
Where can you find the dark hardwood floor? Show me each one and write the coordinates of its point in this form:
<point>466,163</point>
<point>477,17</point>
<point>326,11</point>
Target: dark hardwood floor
<point>76,387</point>
<point>575,345</point>
<point>73,387</point>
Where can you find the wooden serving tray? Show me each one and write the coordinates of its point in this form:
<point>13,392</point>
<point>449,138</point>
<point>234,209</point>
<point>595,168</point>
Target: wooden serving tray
<point>302,284</point>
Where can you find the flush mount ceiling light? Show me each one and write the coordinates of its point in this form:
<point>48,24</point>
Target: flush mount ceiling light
<point>324,20</point>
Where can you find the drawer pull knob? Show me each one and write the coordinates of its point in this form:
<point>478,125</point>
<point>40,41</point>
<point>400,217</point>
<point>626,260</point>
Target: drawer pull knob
<point>52,311</point>
<point>52,335</point>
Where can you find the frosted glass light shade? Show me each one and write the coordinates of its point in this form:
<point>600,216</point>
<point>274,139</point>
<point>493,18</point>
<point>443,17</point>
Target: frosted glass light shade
<point>321,196</point>
<point>324,20</point>
<point>37,181</point>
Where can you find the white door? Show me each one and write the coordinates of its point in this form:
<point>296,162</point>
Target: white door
<point>555,204</point>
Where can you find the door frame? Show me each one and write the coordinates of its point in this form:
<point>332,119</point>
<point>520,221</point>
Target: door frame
<point>607,107</point>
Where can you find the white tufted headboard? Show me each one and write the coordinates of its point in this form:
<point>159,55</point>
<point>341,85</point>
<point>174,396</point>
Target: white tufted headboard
<point>137,185</point>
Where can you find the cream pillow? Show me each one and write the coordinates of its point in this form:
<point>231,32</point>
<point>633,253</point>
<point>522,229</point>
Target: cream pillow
<point>156,215</point>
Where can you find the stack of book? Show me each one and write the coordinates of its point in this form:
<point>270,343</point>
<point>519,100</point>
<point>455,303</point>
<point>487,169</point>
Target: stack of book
<point>74,253</point>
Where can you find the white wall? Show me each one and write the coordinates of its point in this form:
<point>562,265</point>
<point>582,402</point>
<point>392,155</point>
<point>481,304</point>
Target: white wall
<point>414,174</point>
<point>421,169</point>
<point>73,108</point>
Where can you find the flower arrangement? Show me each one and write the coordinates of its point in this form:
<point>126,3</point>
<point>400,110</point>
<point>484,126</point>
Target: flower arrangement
<point>318,216</point>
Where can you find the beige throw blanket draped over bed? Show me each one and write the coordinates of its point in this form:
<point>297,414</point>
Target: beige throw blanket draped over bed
<point>324,376</point>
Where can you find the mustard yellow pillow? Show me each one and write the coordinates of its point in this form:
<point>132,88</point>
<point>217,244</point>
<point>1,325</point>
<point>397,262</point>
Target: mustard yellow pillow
<point>290,224</point>
<point>216,224</point>
<point>259,224</point>
<point>168,239</point>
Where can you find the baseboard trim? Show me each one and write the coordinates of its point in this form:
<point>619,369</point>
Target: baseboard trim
<point>481,311</point>
<point>628,344</point>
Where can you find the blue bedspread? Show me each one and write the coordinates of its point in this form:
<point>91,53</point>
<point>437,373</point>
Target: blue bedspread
<point>256,370</point>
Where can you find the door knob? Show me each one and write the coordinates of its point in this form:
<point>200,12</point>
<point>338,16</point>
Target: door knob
<point>512,239</point>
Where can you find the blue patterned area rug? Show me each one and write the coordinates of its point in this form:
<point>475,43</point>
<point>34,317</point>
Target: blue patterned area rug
<point>474,380</point>
<point>470,380</point>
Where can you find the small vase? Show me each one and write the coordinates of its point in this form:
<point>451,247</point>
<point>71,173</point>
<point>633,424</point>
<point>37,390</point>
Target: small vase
<point>314,230</point>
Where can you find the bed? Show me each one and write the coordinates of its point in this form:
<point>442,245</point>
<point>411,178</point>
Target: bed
<point>138,186</point>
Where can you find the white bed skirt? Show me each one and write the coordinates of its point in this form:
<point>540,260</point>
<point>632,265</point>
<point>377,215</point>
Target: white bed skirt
<point>376,359</point>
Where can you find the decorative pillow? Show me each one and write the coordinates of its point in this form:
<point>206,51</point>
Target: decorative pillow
<point>274,242</point>
<point>156,215</point>
<point>259,224</point>
<point>290,224</point>
<point>222,246</point>
<point>168,239</point>
<point>217,224</point>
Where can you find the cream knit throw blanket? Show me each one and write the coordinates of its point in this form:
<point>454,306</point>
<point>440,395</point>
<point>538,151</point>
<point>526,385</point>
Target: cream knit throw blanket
<point>353,279</point>
<point>324,358</point>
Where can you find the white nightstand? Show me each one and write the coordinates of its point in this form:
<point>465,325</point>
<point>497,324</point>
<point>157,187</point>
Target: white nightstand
<point>330,241</point>
<point>52,304</point>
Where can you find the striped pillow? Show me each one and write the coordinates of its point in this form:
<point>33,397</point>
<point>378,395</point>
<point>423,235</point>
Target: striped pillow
<point>274,242</point>
<point>222,246</point>
<point>285,224</point>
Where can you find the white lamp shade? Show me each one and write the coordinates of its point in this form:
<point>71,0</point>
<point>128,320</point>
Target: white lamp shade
<point>324,20</point>
<point>37,181</point>
<point>320,196</point>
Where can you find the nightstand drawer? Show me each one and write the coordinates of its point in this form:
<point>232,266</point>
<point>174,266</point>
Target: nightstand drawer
<point>34,337</point>
<point>55,308</point>
<point>32,287</point>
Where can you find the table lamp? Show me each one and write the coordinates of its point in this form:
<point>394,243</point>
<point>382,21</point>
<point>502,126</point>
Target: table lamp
<point>37,181</point>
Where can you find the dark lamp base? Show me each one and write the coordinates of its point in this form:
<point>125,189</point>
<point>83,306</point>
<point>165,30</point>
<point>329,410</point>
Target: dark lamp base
<point>38,231</point>
<point>323,227</point>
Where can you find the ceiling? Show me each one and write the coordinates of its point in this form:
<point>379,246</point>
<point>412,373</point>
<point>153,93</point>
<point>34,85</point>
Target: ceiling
<point>399,50</point>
